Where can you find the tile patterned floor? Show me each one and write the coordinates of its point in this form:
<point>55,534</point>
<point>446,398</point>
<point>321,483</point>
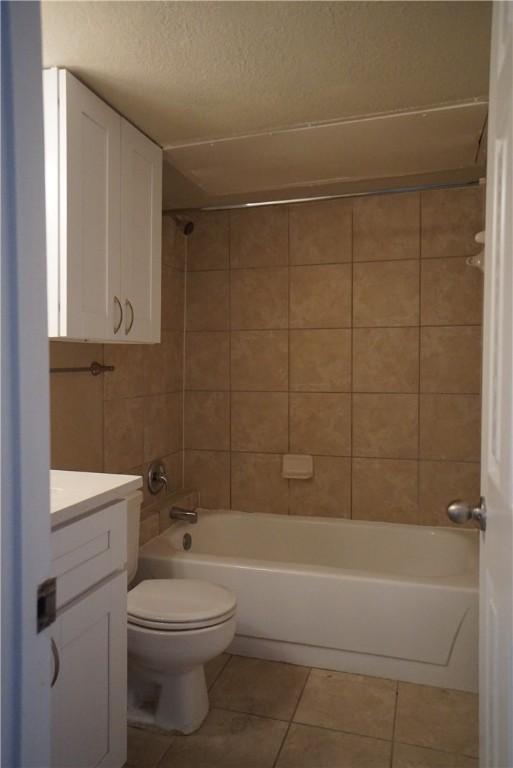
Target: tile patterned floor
<point>265,714</point>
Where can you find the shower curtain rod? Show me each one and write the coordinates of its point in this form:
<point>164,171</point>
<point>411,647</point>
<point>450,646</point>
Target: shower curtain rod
<point>381,191</point>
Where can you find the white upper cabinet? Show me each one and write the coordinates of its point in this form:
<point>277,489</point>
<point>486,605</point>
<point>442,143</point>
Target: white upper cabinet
<point>141,232</point>
<point>82,170</point>
<point>103,215</point>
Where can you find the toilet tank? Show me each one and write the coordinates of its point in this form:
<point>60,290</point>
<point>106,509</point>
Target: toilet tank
<point>132,525</point>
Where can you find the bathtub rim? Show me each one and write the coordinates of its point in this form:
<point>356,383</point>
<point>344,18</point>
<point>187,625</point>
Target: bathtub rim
<point>468,579</point>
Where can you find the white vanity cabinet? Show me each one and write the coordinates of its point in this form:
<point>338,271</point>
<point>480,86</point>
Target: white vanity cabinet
<point>103,218</point>
<point>88,640</point>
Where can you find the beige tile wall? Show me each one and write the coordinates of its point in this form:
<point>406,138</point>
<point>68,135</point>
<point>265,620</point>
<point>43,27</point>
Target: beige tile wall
<point>348,329</point>
<point>121,421</point>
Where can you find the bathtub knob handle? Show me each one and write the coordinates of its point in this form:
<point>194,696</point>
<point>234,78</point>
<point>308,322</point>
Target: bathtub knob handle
<point>157,477</point>
<point>461,512</point>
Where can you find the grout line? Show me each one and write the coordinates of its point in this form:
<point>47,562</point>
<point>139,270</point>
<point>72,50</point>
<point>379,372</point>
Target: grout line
<point>437,749</point>
<point>220,672</point>
<point>285,735</point>
<point>288,357</point>
<point>162,760</point>
<point>351,374</point>
<point>184,355</point>
<point>230,360</point>
<point>307,679</point>
<point>339,730</point>
<point>334,328</point>
<point>396,704</point>
<point>419,385</point>
<point>250,714</point>
<point>294,392</point>
<point>336,263</point>
<point>415,393</point>
<point>345,456</point>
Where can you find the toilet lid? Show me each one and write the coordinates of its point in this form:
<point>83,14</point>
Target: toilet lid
<point>179,604</point>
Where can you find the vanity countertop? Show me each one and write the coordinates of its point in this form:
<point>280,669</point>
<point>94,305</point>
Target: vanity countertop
<point>75,493</point>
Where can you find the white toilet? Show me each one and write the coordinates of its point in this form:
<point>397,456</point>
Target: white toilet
<point>174,627</point>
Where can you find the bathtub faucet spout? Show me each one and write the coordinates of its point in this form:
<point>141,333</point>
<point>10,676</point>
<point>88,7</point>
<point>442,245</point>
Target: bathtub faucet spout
<point>188,515</point>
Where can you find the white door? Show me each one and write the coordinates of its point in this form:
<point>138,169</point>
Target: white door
<point>496,576</point>
<point>141,232</point>
<point>90,214</point>
<point>89,688</point>
<point>25,431</point>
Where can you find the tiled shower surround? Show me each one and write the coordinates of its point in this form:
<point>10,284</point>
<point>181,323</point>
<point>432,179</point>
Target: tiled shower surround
<point>348,329</point>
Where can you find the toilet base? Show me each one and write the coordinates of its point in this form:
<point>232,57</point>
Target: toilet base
<point>172,702</point>
<point>166,679</point>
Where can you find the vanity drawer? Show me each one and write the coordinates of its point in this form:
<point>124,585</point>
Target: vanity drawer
<point>88,550</point>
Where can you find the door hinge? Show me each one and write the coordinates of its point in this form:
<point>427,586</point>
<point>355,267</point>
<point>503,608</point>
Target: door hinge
<point>46,604</point>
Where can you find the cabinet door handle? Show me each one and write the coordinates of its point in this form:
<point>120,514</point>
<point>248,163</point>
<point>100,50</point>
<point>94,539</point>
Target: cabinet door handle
<point>118,304</point>
<point>56,662</point>
<point>128,326</point>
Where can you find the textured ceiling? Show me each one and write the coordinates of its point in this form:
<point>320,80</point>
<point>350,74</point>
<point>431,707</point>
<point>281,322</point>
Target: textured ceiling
<point>286,163</point>
<point>189,72</point>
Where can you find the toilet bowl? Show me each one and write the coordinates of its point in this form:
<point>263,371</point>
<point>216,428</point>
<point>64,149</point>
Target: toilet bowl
<point>174,627</point>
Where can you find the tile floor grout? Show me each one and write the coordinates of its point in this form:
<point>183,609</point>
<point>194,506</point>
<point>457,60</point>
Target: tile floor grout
<point>250,714</point>
<point>434,749</point>
<point>394,723</point>
<point>393,742</point>
<point>219,673</point>
<point>339,730</point>
<point>259,687</point>
<point>286,734</point>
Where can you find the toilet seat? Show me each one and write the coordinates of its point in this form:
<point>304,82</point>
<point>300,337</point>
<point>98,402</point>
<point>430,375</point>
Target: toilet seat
<point>175,605</point>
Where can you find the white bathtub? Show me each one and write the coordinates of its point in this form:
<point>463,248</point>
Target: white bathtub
<point>395,601</point>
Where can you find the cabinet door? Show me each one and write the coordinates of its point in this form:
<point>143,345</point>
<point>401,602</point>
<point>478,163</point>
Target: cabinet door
<point>141,231</point>
<point>89,263</point>
<point>89,694</point>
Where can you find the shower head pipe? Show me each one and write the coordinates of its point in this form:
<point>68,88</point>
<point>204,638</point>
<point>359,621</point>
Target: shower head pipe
<point>186,226</point>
